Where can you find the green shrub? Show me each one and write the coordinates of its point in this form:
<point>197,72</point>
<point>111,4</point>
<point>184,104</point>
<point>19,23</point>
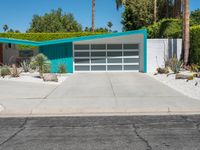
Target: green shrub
<point>194,68</point>
<point>166,28</point>
<point>62,68</point>
<point>41,62</point>
<point>5,70</point>
<point>195,44</point>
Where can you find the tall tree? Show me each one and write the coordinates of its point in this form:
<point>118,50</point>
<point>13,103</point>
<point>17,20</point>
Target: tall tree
<point>5,27</point>
<point>55,21</point>
<point>137,14</point>
<point>195,17</point>
<point>155,11</point>
<point>186,30</point>
<point>93,11</point>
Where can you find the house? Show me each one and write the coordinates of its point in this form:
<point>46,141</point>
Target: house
<point>121,52</point>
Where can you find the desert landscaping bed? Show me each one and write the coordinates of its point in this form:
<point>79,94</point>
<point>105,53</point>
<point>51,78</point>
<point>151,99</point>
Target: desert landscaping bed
<point>34,78</point>
<point>189,88</point>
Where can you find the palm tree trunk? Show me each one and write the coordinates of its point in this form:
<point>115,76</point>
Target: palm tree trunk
<point>186,31</point>
<point>93,6</point>
<point>155,11</point>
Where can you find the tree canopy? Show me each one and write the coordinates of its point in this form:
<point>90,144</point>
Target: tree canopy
<point>137,14</point>
<point>55,21</point>
<point>195,17</point>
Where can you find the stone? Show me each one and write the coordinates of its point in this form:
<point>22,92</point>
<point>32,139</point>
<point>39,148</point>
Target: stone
<point>163,70</point>
<point>50,77</point>
<point>184,76</point>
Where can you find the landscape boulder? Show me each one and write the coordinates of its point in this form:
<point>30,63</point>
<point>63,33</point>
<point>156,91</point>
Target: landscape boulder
<point>50,77</point>
<point>184,76</point>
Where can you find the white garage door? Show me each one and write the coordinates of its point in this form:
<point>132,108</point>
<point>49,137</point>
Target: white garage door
<point>106,57</point>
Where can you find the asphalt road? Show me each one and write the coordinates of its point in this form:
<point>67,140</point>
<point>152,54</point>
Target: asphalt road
<point>101,133</point>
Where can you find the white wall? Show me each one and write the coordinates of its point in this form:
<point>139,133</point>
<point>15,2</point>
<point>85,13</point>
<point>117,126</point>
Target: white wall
<point>159,50</point>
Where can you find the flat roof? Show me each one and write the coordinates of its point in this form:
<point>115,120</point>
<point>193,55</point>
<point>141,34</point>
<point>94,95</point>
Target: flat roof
<point>68,40</point>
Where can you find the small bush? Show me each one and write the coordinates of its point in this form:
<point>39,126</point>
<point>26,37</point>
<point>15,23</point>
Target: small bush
<point>62,68</point>
<point>5,70</point>
<point>175,65</point>
<point>194,68</point>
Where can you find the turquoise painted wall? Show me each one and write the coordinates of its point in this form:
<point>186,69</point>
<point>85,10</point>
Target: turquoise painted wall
<point>59,54</point>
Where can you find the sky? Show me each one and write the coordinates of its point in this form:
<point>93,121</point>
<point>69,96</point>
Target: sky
<point>17,14</point>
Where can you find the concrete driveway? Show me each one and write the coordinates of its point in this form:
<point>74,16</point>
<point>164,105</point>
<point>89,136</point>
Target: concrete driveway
<point>97,93</point>
<point>116,85</point>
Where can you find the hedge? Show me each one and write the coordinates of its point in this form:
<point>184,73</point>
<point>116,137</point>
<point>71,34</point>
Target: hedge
<point>166,28</point>
<point>195,44</point>
<point>44,36</point>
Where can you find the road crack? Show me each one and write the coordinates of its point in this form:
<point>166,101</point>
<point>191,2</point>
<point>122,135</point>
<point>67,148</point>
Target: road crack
<point>21,128</point>
<point>197,124</point>
<point>142,138</point>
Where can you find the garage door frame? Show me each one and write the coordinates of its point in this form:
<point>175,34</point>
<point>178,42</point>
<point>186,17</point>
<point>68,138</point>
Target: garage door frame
<point>106,64</point>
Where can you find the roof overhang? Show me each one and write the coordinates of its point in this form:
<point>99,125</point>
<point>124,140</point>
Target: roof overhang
<point>69,40</point>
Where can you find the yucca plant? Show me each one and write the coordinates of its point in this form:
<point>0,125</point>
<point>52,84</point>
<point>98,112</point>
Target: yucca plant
<point>41,62</point>
<point>25,65</point>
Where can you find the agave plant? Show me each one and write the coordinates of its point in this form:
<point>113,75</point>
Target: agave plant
<point>41,62</point>
<point>175,65</point>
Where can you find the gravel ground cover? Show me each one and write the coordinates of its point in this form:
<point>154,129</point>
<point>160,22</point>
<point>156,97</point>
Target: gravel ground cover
<point>34,78</point>
<point>189,88</point>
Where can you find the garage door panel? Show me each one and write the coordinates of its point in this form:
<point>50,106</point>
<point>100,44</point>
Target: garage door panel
<point>98,60</point>
<point>131,60</point>
<point>98,54</point>
<point>82,61</point>
<point>114,67</point>
<point>114,60</point>
<point>114,46</point>
<point>114,54</point>
<point>82,68</point>
<point>81,47</point>
<point>98,46</point>
<point>98,68</point>
<point>82,54</point>
<point>131,67</point>
<point>131,53</point>
<point>131,46</point>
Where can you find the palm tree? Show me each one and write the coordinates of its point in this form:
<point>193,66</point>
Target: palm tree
<point>155,11</point>
<point>119,3</point>
<point>5,27</point>
<point>186,31</point>
<point>93,7</point>
<point>110,24</point>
